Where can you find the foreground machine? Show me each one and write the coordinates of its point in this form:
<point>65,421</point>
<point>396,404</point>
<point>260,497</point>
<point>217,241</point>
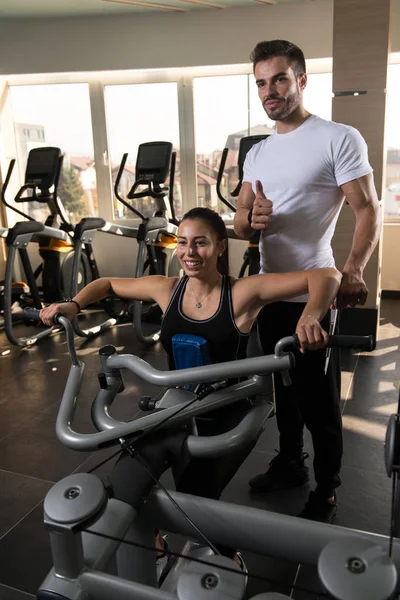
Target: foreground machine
<point>103,548</point>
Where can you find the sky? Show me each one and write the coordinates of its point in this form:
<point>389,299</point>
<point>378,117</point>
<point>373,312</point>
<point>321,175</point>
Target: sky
<point>146,112</point>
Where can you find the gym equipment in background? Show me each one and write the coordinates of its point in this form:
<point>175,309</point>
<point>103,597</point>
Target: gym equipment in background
<point>251,257</point>
<point>156,235</point>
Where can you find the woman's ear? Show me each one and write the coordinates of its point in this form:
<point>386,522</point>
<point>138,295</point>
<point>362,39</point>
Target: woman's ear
<point>222,245</point>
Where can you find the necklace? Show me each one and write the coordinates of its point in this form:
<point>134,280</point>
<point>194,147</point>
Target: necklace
<point>199,303</point>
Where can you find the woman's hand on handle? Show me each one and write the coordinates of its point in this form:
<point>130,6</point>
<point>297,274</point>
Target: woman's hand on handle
<point>68,309</point>
<point>310,333</point>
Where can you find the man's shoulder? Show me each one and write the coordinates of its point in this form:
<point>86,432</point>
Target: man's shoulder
<point>331,127</point>
<point>259,148</point>
<point>262,143</point>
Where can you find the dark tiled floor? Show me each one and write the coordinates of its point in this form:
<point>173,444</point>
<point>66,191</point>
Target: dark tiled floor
<point>31,458</point>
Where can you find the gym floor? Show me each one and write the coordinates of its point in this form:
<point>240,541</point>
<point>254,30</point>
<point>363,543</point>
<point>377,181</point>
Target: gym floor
<point>32,459</point>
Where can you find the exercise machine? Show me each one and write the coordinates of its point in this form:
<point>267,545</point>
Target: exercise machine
<point>251,257</point>
<point>56,239</point>
<point>156,238</point>
<point>67,251</point>
<point>103,548</point>
<point>156,235</point>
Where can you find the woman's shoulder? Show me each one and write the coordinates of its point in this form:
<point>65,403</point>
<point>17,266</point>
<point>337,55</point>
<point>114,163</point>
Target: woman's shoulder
<point>170,282</point>
<point>249,287</point>
<point>163,279</point>
<point>174,282</point>
<point>240,286</point>
<point>241,282</point>
<point>161,282</point>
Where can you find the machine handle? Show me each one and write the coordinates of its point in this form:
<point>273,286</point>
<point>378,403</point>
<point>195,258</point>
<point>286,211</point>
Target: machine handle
<point>358,342</point>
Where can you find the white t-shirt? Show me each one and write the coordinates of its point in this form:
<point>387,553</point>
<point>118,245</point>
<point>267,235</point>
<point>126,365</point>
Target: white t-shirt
<point>301,172</point>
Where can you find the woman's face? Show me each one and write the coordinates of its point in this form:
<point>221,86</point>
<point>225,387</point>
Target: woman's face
<point>198,248</point>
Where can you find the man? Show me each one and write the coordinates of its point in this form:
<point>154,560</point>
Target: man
<point>294,186</point>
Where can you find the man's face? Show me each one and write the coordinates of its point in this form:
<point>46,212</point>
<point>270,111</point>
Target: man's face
<point>278,89</point>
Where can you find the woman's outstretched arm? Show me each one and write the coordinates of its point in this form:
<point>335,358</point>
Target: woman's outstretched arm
<point>321,285</point>
<point>155,288</point>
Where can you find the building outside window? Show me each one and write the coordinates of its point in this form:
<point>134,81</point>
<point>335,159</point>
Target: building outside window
<point>392,135</point>
<point>58,115</point>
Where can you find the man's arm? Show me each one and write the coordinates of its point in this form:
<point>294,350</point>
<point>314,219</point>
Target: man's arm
<point>362,197</point>
<point>261,209</point>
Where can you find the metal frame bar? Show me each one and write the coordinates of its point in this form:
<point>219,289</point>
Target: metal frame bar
<point>252,529</point>
<point>22,240</point>
<point>91,332</point>
<point>259,531</point>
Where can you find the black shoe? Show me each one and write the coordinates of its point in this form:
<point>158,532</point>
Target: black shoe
<point>319,508</point>
<point>283,474</point>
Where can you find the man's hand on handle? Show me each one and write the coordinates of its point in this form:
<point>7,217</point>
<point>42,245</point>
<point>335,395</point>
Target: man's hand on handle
<point>262,209</point>
<point>352,291</point>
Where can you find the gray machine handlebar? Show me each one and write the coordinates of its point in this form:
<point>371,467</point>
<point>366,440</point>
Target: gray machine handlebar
<point>113,431</point>
<point>113,362</point>
<point>237,368</point>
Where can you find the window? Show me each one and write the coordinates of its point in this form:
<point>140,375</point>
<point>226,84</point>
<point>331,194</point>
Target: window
<point>138,113</point>
<point>318,95</point>
<point>392,137</point>
<point>60,116</point>
<point>221,119</point>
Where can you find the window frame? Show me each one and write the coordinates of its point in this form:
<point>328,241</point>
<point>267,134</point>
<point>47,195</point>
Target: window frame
<point>184,78</point>
<point>394,59</point>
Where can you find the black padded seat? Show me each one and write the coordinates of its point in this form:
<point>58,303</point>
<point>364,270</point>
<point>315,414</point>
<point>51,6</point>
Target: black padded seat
<point>22,228</point>
<point>88,223</point>
<point>155,223</point>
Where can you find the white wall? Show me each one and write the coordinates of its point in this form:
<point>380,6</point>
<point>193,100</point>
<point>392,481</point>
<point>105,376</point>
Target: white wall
<point>158,40</point>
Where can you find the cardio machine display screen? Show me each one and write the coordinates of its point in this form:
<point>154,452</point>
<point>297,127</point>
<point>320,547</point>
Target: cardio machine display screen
<point>42,167</point>
<point>153,161</point>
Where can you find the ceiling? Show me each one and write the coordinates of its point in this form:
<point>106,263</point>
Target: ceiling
<point>76,8</point>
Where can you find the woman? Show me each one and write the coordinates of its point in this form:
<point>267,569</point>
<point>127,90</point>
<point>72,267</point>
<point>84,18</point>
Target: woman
<point>202,241</point>
<point>220,309</point>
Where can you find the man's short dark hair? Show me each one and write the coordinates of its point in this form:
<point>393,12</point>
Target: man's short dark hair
<point>267,50</point>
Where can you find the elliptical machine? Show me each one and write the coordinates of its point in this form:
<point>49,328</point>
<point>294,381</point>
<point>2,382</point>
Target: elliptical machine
<point>251,257</point>
<point>156,235</point>
<point>56,240</point>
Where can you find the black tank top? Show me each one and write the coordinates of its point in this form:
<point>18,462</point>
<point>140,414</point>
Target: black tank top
<point>226,340</point>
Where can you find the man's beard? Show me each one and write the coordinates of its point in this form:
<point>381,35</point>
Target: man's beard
<point>286,107</point>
